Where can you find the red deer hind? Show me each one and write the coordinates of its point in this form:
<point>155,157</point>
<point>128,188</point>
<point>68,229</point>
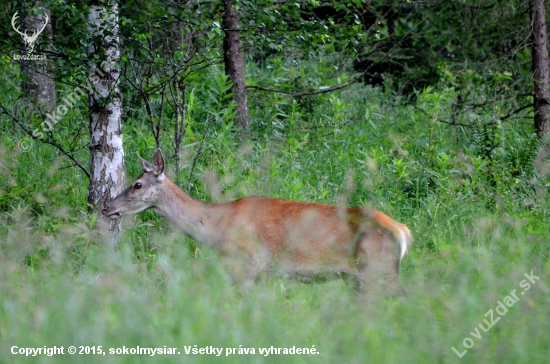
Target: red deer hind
<point>309,242</point>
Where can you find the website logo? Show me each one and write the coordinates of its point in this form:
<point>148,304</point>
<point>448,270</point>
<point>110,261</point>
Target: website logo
<point>28,39</point>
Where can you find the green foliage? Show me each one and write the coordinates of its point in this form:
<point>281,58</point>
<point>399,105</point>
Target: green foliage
<point>478,219</point>
<point>457,166</point>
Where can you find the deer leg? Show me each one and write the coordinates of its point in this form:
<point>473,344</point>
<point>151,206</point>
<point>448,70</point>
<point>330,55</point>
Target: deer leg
<point>378,265</point>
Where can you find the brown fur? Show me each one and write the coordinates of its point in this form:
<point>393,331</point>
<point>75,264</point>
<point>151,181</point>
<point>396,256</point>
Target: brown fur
<point>309,242</point>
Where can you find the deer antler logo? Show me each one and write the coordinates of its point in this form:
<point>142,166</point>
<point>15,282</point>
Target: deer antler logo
<point>29,40</point>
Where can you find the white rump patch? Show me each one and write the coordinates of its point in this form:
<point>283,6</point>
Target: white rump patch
<point>403,238</point>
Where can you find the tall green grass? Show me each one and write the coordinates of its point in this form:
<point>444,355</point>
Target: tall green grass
<point>480,223</point>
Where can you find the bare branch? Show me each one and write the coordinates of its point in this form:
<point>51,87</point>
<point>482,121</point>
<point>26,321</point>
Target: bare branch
<point>199,151</point>
<point>440,119</point>
<point>46,141</point>
<point>304,93</point>
<point>512,113</point>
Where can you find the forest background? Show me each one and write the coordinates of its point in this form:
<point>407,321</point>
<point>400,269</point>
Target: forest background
<point>434,112</point>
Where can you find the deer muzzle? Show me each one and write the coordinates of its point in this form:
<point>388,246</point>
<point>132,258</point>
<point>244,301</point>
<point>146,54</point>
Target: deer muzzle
<point>106,211</point>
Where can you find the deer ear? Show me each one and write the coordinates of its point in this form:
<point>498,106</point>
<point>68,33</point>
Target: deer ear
<point>147,167</point>
<point>158,163</point>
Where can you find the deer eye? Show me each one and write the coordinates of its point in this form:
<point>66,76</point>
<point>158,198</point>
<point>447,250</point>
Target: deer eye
<point>137,186</point>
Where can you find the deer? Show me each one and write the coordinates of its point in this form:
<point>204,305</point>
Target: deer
<point>29,40</point>
<point>305,241</point>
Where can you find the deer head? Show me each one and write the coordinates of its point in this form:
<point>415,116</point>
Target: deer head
<point>28,39</point>
<point>142,193</point>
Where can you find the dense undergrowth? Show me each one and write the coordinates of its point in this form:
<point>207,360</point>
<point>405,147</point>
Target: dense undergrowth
<point>475,198</point>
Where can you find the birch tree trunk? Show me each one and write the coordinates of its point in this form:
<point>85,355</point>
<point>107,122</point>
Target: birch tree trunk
<point>37,82</point>
<point>541,64</point>
<point>234,61</point>
<point>107,175</point>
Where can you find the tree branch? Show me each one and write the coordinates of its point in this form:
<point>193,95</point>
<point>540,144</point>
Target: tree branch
<point>304,93</point>
<point>199,151</point>
<point>440,119</point>
<point>46,141</point>
<point>517,111</point>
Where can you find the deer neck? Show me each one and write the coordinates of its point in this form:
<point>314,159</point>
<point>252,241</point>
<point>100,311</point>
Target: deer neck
<point>184,212</point>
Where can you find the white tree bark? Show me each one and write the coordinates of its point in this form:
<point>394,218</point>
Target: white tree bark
<point>107,175</point>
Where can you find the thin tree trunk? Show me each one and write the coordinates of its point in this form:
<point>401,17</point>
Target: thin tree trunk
<point>107,175</point>
<point>182,39</point>
<point>541,72</point>
<point>37,82</point>
<point>180,106</point>
<point>234,61</point>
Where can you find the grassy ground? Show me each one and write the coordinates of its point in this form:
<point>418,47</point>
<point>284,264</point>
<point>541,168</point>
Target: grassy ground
<point>480,222</point>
